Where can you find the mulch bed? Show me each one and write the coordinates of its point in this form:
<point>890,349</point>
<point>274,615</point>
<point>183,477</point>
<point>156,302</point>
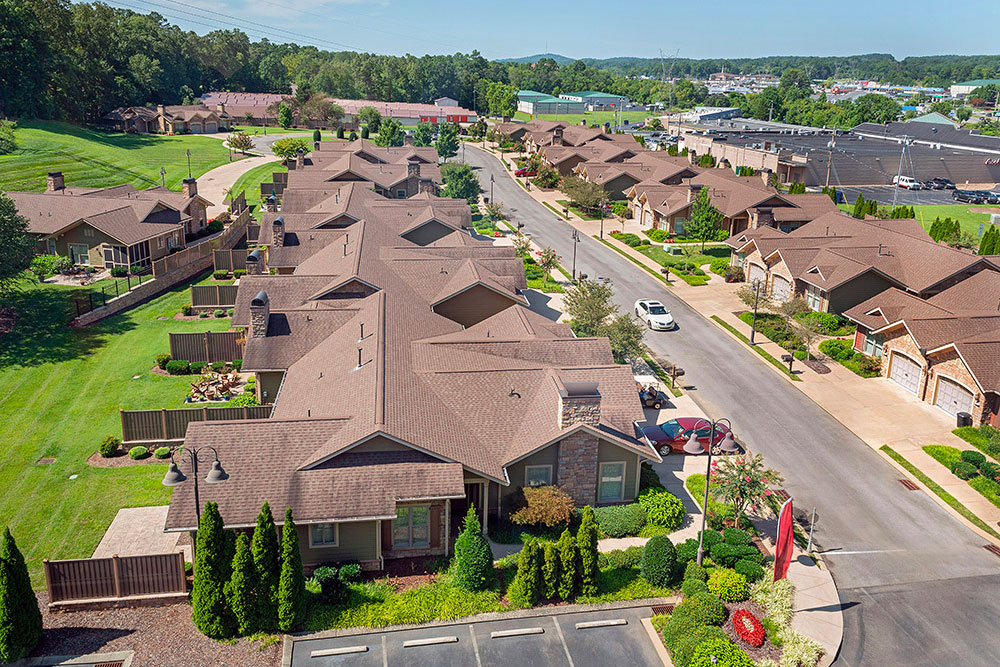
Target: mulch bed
<point>818,366</point>
<point>183,317</point>
<point>121,460</point>
<point>160,637</point>
<point>406,573</point>
<point>767,649</point>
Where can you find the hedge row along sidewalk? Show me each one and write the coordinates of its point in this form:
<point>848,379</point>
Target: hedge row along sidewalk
<point>756,348</point>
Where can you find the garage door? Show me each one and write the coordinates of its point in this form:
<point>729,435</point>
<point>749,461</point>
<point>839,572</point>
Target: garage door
<point>952,397</point>
<point>905,372</point>
<point>781,289</point>
<point>211,128</point>
<point>755,273</point>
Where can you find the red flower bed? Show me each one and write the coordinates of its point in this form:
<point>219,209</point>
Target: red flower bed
<point>748,628</point>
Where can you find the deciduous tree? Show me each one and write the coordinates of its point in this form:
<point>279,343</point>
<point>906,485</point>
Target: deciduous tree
<point>447,141</point>
<point>743,481</point>
<point>16,247</point>
<point>705,219</point>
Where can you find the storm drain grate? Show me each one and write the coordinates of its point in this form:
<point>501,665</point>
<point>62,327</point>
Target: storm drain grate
<point>909,485</point>
<point>46,461</point>
<point>662,609</point>
<point>993,549</point>
<point>781,493</point>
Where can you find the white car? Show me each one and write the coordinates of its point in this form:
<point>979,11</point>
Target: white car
<point>654,314</point>
<point>907,183</point>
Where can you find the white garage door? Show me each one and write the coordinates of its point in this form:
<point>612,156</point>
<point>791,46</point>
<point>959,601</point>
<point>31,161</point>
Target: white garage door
<point>211,128</point>
<point>754,273</point>
<point>905,372</point>
<point>953,397</point>
<point>781,289</point>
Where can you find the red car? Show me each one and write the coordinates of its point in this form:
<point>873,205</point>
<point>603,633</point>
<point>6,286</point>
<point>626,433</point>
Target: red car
<point>671,436</point>
<point>524,172</point>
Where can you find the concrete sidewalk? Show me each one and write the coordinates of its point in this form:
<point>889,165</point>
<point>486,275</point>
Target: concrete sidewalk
<point>213,184</point>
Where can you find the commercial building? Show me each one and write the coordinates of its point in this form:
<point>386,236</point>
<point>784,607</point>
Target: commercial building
<point>594,100</point>
<point>533,103</point>
<point>963,88</point>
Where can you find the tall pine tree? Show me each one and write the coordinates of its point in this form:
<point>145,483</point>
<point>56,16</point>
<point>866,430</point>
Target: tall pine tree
<point>243,588</point>
<point>266,559</point>
<point>586,540</point>
<point>569,557</point>
<point>292,585</point>
<point>20,618</point>
<point>473,555</point>
<point>211,612</point>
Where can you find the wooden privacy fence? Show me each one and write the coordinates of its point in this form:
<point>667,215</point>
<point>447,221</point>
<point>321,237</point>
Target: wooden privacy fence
<point>210,346</point>
<point>115,578</point>
<point>170,425</point>
<point>212,296</point>
<point>253,233</point>
<point>203,250</point>
<point>231,260</point>
<point>239,203</point>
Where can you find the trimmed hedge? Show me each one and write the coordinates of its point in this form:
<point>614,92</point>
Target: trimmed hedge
<point>138,452</point>
<point>109,446</point>
<point>692,586</point>
<point>179,367</point>
<point>695,571</point>
<point>703,608</point>
<point>736,536</point>
<point>965,470</point>
<point>162,453</point>
<point>727,555</point>
<point>162,360</point>
<point>749,569</point>
<point>974,457</point>
<point>663,509</point>
<point>619,559</point>
<point>659,561</point>
<point>620,520</point>
<point>729,585</point>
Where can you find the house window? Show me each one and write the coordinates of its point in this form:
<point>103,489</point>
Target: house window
<point>411,529</point>
<point>740,259</point>
<point>79,253</point>
<point>323,535</point>
<point>813,297</point>
<point>874,344</point>
<point>159,241</point>
<point>538,475</point>
<point>611,482</point>
<point>400,194</point>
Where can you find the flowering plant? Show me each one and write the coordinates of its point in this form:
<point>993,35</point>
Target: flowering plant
<point>748,628</point>
<point>743,481</point>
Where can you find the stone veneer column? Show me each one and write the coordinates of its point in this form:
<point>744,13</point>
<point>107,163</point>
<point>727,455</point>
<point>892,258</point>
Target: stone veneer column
<point>577,473</point>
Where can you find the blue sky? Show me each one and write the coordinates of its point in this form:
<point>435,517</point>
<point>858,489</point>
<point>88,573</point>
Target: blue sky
<point>591,28</point>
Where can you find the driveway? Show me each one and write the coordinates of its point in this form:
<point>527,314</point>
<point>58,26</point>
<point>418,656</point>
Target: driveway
<point>581,639</point>
<point>915,583</point>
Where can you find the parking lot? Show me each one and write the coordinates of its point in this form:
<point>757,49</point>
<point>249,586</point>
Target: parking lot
<point>577,639</point>
<point>883,195</point>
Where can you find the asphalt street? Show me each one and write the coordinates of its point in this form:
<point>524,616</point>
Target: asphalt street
<point>916,586</point>
<point>582,639</point>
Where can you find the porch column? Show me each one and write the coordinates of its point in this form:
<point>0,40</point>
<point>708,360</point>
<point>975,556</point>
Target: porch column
<point>486,505</point>
<point>447,525</point>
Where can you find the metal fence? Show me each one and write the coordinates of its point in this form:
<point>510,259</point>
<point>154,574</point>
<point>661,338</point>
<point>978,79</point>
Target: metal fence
<point>170,425</point>
<point>212,296</point>
<point>115,577</point>
<point>95,299</point>
<point>231,260</point>
<point>210,346</point>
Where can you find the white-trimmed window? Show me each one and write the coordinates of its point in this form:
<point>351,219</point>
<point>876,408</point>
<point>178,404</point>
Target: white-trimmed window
<point>813,298</point>
<point>874,344</point>
<point>323,535</point>
<point>611,482</point>
<point>411,527</point>
<point>540,475</point>
<point>400,194</point>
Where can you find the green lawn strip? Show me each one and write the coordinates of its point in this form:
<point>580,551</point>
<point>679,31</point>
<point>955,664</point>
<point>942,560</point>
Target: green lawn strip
<point>547,286</point>
<point>61,392</point>
<point>633,260</point>
<point>556,211</point>
<point>663,258</point>
<point>661,374</point>
<point>756,348</point>
<point>978,439</point>
<point>92,158</point>
<point>853,363</point>
<point>943,454</point>
<point>566,274</point>
<point>577,210</point>
<point>690,279</point>
<point>695,485</point>
<point>940,492</point>
<point>987,488</point>
<point>249,183</point>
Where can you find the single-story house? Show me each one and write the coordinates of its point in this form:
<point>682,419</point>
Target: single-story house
<point>170,119</point>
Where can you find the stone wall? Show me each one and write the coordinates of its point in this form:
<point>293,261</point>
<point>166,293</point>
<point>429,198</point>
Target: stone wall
<point>578,467</point>
<point>580,410</point>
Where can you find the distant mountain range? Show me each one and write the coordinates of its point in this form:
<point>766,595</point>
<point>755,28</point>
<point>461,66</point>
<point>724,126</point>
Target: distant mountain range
<point>524,60</point>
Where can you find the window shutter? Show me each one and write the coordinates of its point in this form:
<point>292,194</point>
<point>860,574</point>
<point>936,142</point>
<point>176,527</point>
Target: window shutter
<point>386,535</point>
<point>434,525</point>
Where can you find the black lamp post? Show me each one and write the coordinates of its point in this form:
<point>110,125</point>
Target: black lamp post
<point>491,187</point>
<point>175,477</point>
<point>692,446</point>
<point>576,239</point>
<point>758,287</point>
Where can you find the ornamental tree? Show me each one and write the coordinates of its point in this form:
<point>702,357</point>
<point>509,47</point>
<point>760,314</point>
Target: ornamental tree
<point>586,539</point>
<point>390,133</point>
<point>743,481</point>
<point>240,141</point>
<point>547,261</point>
<point>447,141</point>
<point>545,505</point>
<point>288,147</point>
<point>20,618</point>
<point>292,584</point>
<point>210,610</point>
<point>473,555</point>
<point>264,549</point>
<point>243,589</point>
<point>705,219</point>
<point>285,116</point>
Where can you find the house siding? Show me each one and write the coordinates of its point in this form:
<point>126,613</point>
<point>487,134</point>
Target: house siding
<point>515,471</point>
<point>356,540</point>
<point>267,385</point>
<point>855,291</point>
<point>428,234</point>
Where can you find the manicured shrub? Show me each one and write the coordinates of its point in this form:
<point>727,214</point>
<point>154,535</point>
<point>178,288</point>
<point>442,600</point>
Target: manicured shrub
<point>162,453</point>
<point>292,583</point>
<point>586,541</point>
<point>727,554</point>
<point>712,537</point>
<point>138,452</point>
<point>684,649</point>
<point>663,509</point>
<point>523,591</point>
<point>210,612</point>
<point>965,470</point>
<point>221,274</point>
<point>749,569</point>
<point>568,565</point>
<point>203,314</point>
<point>237,364</point>
<point>543,505</point>
<point>20,618</point>
<point>264,548</point>
<point>109,446</point>
<point>349,573</point>
<point>717,652</point>
<point>677,627</point>
<point>217,366</point>
<point>748,627</point>
<point>119,271</point>
<point>692,586</point>
<point>704,608</point>
<point>162,360</point>
<point>473,555</point>
<point>550,571</point>
<point>621,520</point>
<point>197,367</point>
<point>340,132</point>
<point>658,235</point>
<point>974,457</point>
<point>694,571</point>
<point>219,312</point>
<point>329,583</point>
<point>618,559</point>
<point>243,588</point>
<point>687,551</point>
<point>990,470</point>
<point>659,561</point>
<point>736,536</point>
<point>214,226</point>
<point>729,585</point>
<point>239,273</point>
<point>178,367</point>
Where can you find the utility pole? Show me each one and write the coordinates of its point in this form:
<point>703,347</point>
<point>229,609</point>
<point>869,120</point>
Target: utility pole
<point>829,161</point>
<point>895,190</point>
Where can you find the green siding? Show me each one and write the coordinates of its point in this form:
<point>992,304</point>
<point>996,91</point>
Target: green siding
<point>357,540</point>
<point>515,471</point>
<point>607,452</point>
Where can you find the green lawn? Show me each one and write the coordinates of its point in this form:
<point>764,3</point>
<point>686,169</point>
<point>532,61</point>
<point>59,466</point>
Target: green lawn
<point>663,258</point>
<point>250,183</point>
<point>578,211</point>
<point>61,392</point>
<point>591,117</point>
<point>93,158</point>
<point>964,213</point>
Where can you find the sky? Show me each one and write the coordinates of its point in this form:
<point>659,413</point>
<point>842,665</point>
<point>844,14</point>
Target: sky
<point>597,29</point>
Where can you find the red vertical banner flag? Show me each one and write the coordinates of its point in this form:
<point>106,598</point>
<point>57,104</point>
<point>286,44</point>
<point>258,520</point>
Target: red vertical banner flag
<point>784,544</point>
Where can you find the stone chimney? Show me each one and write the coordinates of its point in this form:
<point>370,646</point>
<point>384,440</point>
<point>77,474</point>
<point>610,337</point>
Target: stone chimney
<point>160,109</point>
<point>300,159</point>
<point>580,402</point>
<point>221,108</point>
<point>278,232</point>
<point>407,139</point>
<point>413,169</point>
<point>765,177</point>
<point>260,312</point>
<point>557,137</point>
<point>693,192</point>
<point>692,157</point>
<point>255,263</point>
<point>189,187</point>
<point>55,181</point>
<point>426,185</point>
<point>762,216</point>
<point>271,204</point>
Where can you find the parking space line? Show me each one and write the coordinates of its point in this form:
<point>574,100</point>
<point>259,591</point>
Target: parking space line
<point>475,645</point>
<point>345,650</point>
<point>385,653</point>
<point>562,639</point>
<point>431,641</point>
<point>500,634</point>
<point>601,624</point>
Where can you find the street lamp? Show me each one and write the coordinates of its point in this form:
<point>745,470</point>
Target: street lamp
<point>758,288</point>
<point>175,477</point>
<point>603,203</point>
<point>491,187</point>
<point>692,446</point>
<point>576,239</point>
<point>189,162</point>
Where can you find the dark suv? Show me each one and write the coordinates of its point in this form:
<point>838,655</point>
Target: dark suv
<point>943,183</point>
<point>967,196</point>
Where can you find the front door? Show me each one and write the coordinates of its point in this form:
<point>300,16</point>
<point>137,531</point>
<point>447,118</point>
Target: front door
<point>474,496</point>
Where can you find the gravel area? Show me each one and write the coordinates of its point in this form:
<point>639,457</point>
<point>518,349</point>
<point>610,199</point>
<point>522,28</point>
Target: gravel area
<point>160,637</point>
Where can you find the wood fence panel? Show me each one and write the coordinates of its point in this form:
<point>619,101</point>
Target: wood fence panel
<point>151,575</point>
<point>80,579</point>
<point>230,260</point>
<point>170,425</point>
<point>142,425</point>
<point>210,296</point>
<point>115,577</point>
<point>253,232</point>
<point>210,346</point>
